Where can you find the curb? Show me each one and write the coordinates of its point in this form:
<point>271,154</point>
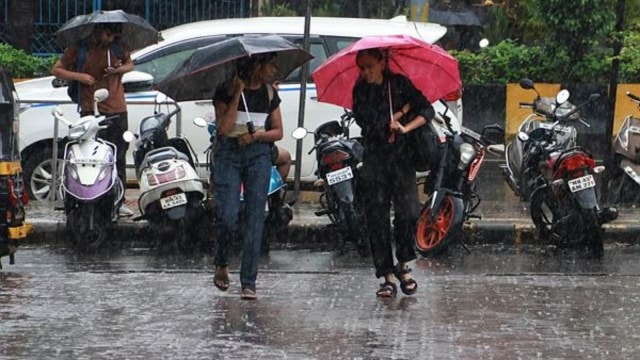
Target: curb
<point>322,236</point>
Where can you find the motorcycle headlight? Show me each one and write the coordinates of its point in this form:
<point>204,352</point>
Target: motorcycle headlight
<point>76,132</point>
<point>467,152</point>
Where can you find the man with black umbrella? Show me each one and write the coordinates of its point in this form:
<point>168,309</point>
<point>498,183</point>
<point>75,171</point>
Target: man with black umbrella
<point>99,61</point>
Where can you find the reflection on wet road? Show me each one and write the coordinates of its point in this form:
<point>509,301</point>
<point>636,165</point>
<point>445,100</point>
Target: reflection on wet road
<point>500,303</point>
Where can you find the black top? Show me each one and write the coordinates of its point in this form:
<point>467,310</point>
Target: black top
<point>371,110</point>
<point>257,100</point>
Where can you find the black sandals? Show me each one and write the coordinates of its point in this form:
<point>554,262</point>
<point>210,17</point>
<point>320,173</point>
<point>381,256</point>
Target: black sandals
<point>408,286</point>
<point>387,290</point>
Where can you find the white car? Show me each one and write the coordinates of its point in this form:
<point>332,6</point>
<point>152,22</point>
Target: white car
<point>327,36</point>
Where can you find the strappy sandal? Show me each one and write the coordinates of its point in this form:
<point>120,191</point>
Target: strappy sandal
<point>387,290</point>
<point>221,278</point>
<point>408,286</point>
<point>248,294</point>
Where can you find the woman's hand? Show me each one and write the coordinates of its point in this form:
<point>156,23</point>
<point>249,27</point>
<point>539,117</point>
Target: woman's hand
<point>246,139</point>
<point>397,127</point>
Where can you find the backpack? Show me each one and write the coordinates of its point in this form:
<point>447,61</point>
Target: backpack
<point>74,88</point>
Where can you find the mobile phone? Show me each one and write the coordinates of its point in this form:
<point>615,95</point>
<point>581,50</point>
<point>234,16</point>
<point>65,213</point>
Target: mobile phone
<point>250,127</point>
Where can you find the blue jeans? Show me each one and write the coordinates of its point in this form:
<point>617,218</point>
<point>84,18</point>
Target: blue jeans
<point>249,165</point>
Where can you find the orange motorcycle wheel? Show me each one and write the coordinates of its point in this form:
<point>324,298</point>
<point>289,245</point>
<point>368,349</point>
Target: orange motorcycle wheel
<point>433,237</point>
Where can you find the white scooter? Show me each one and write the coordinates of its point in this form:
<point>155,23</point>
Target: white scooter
<point>90,189</point>
<point>172,195</point>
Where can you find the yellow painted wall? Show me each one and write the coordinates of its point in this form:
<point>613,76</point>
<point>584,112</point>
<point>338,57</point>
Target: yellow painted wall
<point>624,106</point>
<point>516,95</point>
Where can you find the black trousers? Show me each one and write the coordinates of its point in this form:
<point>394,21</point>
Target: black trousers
<point>384,182</point>
<point>114,134</point>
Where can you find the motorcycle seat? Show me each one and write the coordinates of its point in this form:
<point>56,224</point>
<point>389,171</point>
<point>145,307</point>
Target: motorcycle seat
<point>161,154</point>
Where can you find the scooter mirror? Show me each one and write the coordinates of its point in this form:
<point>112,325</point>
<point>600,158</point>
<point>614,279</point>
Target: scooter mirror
<point>200,122</point>
<point>527,84</point>
<point>299,133</point>
<point>563,96</point>
<point>161,98</point>
<point>101,95</point>
<point>522,136</point>
<point>57,111</point>
<point>128,136</point>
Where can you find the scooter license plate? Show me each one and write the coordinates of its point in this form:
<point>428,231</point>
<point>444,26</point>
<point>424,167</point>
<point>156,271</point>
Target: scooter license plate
<point>173,201</point>
<point>338,176</point>
<point>582,183</point>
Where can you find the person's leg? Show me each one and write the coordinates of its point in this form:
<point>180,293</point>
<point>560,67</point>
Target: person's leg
<point>283,162</point>
<point>113,134</point>
<point>256,178</point>
<point>226,181</point>
<point>407,210</point>
<point>375,201</point>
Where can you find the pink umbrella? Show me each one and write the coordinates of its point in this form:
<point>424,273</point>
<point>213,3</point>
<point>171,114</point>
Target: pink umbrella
<point>431,69</point>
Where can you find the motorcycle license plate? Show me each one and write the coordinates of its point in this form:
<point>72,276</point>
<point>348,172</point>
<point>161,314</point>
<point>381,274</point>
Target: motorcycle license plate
<point>582,183</point>
<point>338,176</point>
<point>173,201</point>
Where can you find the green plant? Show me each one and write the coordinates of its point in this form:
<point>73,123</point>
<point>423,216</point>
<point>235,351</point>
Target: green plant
<point>24,65</point>
<point>328,8</point>
<point>271,8</point>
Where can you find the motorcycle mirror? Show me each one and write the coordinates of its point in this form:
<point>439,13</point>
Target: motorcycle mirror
<point>101,95</point>
<point>57,111</point>
<point>527,84</point>
<point>128,136</point>
<point>562,96</point>
<point>522,136</point>
<point>200,122</point>
<point>593,97</point>
<point>299,133</point>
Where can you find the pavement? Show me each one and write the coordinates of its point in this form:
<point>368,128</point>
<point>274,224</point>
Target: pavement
<point>504,219</point>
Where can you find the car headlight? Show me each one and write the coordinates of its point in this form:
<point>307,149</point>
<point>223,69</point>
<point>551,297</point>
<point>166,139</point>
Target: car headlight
<point>76,132</point>
<point>467,152</point>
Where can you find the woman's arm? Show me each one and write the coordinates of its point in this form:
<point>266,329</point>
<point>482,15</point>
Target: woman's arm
<point>226,113</point>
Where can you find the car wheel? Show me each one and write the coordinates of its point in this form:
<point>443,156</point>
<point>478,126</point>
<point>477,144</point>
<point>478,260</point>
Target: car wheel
<point>38,175</point>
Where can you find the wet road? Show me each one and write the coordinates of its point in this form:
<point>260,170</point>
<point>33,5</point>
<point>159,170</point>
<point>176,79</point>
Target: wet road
<point>495,303</point>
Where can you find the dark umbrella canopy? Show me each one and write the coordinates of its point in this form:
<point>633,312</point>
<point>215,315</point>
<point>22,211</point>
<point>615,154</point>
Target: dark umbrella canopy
<point>136,31</point>
<point>199,76</point>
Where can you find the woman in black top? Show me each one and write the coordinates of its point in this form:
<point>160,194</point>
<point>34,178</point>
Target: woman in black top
<point>243,156</point>
<point>387,173</point>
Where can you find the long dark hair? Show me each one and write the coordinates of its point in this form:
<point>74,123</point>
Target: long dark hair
<point>245,65</point>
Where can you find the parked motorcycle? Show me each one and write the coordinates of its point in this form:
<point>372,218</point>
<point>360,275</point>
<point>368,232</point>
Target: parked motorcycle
<point>279,212</point>
<point>450,186</point>
<point>339,159</point>
<point>624,182</point>
<point>172,194</point>
<point>90,189</point>
<point>13,195</point>
<point>563,202</point>
<point>518,170</point>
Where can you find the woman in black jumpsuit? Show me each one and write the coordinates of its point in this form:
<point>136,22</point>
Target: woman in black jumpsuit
<point>387,173</point>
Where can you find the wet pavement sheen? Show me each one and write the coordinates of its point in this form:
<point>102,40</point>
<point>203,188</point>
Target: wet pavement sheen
<point>499,302</point>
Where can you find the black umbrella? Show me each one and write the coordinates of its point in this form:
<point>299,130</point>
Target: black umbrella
<point>136,31</point>
<point>199,76</point>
